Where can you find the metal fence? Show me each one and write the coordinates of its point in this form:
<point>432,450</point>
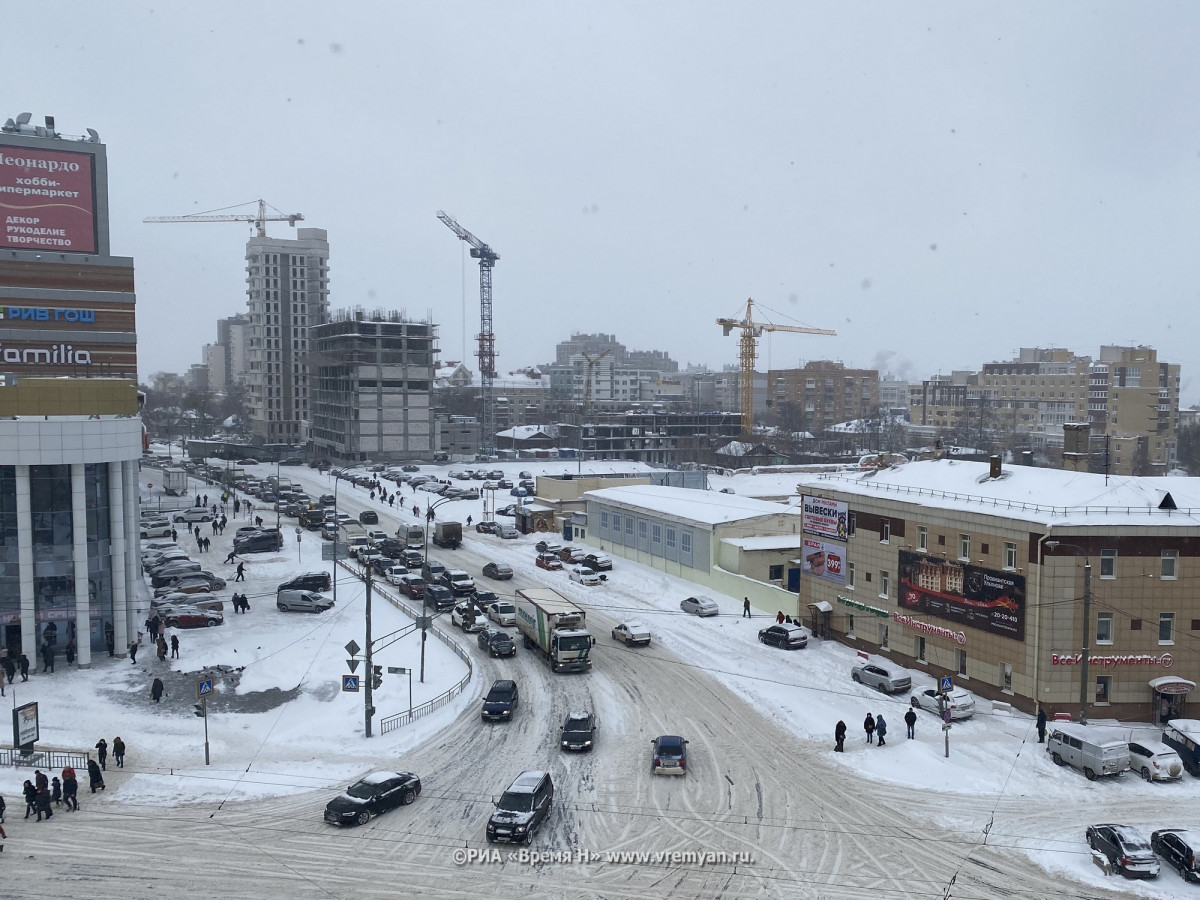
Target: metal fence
<point>44,759</point>
<point>399,720</point>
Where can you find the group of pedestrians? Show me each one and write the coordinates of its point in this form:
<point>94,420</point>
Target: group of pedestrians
<point>11,666</point>
<point>44,793</point>
<point>875,727</point>
<point>241,603</point>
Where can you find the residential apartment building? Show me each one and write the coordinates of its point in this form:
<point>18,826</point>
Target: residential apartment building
<point>226,359</point>
<point>1133,399</point>
<point>287,294</point>
<point>597,370</point>
<point>823,393</point>
<point>372,387</point>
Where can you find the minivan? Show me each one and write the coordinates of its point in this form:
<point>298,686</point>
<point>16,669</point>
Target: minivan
<point>302,601</point>
<point>1183,736</point>
<point>1092,752</point>
<point>522,809</point>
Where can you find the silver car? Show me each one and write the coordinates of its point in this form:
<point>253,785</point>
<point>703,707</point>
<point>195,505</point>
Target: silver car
<point>700,606</point>
<point>960,703</point>
<point>302,601</point>
<point>885,677</point>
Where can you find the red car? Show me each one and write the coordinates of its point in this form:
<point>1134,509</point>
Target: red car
<point>194,618</point>
<point>548,561</point>
<point>413,585</point>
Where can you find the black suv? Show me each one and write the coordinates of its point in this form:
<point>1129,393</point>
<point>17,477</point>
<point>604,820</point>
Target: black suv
<point>368,517</point>
<point>309,581</point>
<point>579,731</point>
<point>522,809</point>
<point>438,596</point>
<point>1126,848</point>
<point>1178,850</point>
<point>501,702</point>
<point>497,643</point>
<point>432,571</point>
<point>262,542</point>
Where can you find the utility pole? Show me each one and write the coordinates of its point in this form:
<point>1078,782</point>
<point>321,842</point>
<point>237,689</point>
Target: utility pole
<point>368,692</point>
<point>1087,637</point>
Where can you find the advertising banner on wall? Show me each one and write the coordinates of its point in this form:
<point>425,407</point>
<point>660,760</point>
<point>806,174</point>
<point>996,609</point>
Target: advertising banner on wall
<point>825,518</point>
<point>987,599</point>
<point>47,200</point>
<point>26,731</point>
<point>823,560</point>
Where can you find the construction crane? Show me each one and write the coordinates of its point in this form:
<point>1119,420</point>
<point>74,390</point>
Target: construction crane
<point>587,387</point>
<point>751,332</point>
<point>487,337</point>
<point>259,221</point>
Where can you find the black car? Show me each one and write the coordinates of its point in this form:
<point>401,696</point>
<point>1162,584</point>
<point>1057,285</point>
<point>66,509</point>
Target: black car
<point>597,562</point>
<point>522,809</point>
<point>291,461</point>
<point>510,510</point>
<point>498,571</point>
<point>381,564</point>
<point>327,500</point>
<point>501,702</point>
<point>496,643</point>
<point>263,542</point>
<point>368,517</point>
<point>413,559</point>
<point>372,795</point>
<point>1126,848</point>
<point>1174,845</point>
<point>439,597</point>
<point>579,731</point>
<point>391,547</point>
<point>786,637</point>
<point>483,599</point>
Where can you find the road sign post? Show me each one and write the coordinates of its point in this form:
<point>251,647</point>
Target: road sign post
<point>204,689</point>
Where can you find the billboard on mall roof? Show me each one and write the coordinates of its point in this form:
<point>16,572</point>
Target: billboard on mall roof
<point>47,199</point>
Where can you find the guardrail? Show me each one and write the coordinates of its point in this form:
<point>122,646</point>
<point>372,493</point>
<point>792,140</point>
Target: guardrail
<point>44,759</point>
<point>399,720</point>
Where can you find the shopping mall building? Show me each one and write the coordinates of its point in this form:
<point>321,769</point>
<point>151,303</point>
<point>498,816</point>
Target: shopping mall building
<point>70,432</point>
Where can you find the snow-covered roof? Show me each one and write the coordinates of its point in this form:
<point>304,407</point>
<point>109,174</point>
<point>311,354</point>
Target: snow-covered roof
<point>767,542</point>
<point>524,432</point>
<point>705,507</point>
<point>1051,497</point>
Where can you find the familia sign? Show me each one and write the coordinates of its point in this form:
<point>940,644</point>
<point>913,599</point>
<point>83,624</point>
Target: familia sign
<point>825,518</point>
<point>960,592</point>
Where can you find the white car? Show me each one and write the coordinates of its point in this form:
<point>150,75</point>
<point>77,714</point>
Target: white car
<point>394,573</point>
<point>194,514</point>
<point>155,529</point>
<point>502,613</point>
<point>632,634</point>
<point>584,575</point>
<point>700,606</point>
<point>961,703</point>
<point>376,536</point>
<point>459,617</point>
<point>1155,761</point>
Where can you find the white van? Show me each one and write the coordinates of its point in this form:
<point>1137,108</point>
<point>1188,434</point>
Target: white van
<point>1093,752</point>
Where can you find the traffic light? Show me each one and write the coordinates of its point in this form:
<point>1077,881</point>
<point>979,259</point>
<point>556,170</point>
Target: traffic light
<point>376,676</point>
<point>198,709</point>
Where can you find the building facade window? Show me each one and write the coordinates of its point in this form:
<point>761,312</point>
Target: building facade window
<point>850,625</point>
<point>1006,677</point>
<point>616,523</point>
<point>603,521</point>
<point>656,534</point>
<point>671,538</point>
<point>922,538</point>
<point>920,654</point>
<point>884,584</point>
<point>851,523</point>
<point>1108,563</point>
<point>775,573</point>
<point>885,530</point>
<point>52,536</point>
<point>643,529</point>
<point>1010,555</point>
<point>629,525</point>
<point>1166,628</point>
<point>850,575</point>
<point>685,541</point>
<point>1169,564</point>
<point>1104,628</point>
<point>964,547</point>
<point>883,635</point>
<point>1103,690</point>
<point>962,663</point>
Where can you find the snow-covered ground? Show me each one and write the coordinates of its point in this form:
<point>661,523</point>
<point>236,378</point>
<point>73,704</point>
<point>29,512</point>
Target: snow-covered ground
<point>314,739</point>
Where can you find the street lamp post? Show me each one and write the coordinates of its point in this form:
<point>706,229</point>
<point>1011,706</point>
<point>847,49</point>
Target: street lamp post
<point>1087,625</point>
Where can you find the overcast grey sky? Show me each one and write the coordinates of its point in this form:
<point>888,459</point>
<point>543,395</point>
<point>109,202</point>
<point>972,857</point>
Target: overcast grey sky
<point>942,183</point>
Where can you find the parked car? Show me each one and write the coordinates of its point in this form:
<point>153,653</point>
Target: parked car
<point>327,500</point>
<point>1085,749</point>
<point>248,461</point>
<point>501,702</point>
<point>509,532</point>
<point>1178,849</point>
<point>886,678</point>
<point>193,514</point>
<point>432,571</point>
<point>381,564</point>
<point>194,617</point>
<point>524,474</point>
<point>785,636</point>
<point>302,601</point>
<point>497,643</point>
<point>467,617</point>
<point>700,606</point>
<point>483,599</point>
<point>579,731</point>
<point>498,571</point>
<point>459,582</point>
<point>372,795</point>
<point>548,561</point>
<point>263,542</point>
<point>522,809</point>
<point>1126,848</point>
<point>598,562</point>
<point>548,547</point>
<point>413,585</point>
<point>155,529</point>
<point>439,597</point>
<point>572,554</point>
<point>668,755</point>
<point>1155,761</point>
<point>960,703</point>
<point>468,494</point>
<point>309,581</point>
<point>482,527</point>
<point>502,612</point>
<point>584,575</point>
<point>414,559</point>
<point>632,634</point>
<point>192,583</point>
<point>394,572</point>
<point>1183,736</point>
<point>510,510</point>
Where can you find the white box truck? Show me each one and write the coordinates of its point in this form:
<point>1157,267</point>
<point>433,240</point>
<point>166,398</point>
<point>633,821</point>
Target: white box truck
<point>175,482</point>
<point>556,628</point>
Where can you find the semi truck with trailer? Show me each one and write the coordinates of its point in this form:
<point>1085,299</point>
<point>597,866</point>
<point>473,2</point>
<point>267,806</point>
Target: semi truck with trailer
<point>556,627</point>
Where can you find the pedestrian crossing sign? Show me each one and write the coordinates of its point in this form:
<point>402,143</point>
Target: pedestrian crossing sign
<point>204,688</point>
<point>945,684</point>
<point>350,683</point>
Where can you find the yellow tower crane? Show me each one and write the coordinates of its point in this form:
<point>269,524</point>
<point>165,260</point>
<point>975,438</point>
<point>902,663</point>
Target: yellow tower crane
<point>258,221</point>
<point>751,332</point>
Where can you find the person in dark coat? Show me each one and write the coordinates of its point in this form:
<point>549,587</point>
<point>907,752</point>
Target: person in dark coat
<point>241,572</point>
<point>23,663</point>
<point>162,649</point>
<point>43,804</point>
<point>30,798</point>
<point>70,788</point>
<point>56,791</point>
<point>839,735</point>
<point>910,720</point>
<point>869,727</point>
<point>245,604</point>
<point>157,690</point>
<point>41,782</point>
<point>133,648</point>
<point>229,558</point>
<point>10,669</point>
<point>119,752</point>
<point>175,646</point>
<point>1041,724</point>
<point>95,776</point>
<point>47,658</point>
<point>71,651</point>
<point>746,608</point>
<point>110,639</point>
<point>880,728</point>
<point>102,752</point>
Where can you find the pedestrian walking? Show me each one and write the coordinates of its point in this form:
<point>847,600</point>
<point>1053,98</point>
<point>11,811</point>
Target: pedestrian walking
<point>41,781</point>
<point>110,639</point>
<point>216,523</point>
<point>162,649</point>
<point>245,604</point>
<point>47,658</point>
<point>779,617</point>
<point>174,535</point>
<point>746,608</point>
<point>207,544</point>
<point>30,793</point>
<point>157,690</point>
<point>880,729</point>
<point>102,752</point>
<point>1041,724</point>
<point>468,521</point>
<point>95,776</point>
<point>241,572</point>
<point>416,512</point>
<point>205,500</point>
<point>133,648</point>
<point>910,719</point>
<point>174,646</point>
<point>869,727</point>
<point>3,836</point>
<point>119,752</point>
<point>70,651</point>
<point>70,788</point>
<point>196,531</point>
<point>237,506</point>
<point>197,499</point>
<point>229,559</point>
<point>56,791</point>
<point>839,737</point>
<point>23,663</point>
<point>43,804</point>
<point>162,628</point>
<point>2,808</point>
<point>392,500</point>
<point>10,669</point>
